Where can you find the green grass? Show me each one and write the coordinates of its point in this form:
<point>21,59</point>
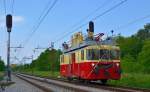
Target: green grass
<point>133,80</point>
<point>44,73</point>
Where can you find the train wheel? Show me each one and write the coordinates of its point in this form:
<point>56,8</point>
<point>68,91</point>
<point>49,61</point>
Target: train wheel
<point>80,79</point>
<point>86,81</point>
<point>69,78</point>
<point>104,81</point>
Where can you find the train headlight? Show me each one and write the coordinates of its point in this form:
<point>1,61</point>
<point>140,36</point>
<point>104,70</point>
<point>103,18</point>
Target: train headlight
<point>92,64</point>
<point>117,64</point>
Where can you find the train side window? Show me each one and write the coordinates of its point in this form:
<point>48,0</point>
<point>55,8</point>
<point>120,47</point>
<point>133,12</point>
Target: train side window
<point>62,59</point>
<point>92,54</point>
<point>82,54</point>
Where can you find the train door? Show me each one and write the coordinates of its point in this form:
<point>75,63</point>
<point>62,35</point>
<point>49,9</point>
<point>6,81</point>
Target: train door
<point>73,63</point>
<point>69,69</point>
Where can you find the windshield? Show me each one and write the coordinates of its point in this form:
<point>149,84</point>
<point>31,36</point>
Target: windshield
<point>95,54</point>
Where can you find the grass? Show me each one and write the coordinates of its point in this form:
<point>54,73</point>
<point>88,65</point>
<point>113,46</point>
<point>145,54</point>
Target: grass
<point>133,80</point>
<point>44,73</point>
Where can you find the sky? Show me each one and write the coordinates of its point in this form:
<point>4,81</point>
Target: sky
<point>61,19</point>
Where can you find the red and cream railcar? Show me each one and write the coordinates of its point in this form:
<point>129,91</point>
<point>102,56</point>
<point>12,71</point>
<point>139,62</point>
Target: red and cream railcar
<point>89,59</point>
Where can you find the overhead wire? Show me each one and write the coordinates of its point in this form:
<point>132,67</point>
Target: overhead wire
<point>91,13</point>
<point>117,5</point>
<point>132,22</point>
<point>4,1</point>
<point>12,7</point>
<point>41,18</point>
<point>95,18</point>
<point>112,8</point>
<point>88,15</point>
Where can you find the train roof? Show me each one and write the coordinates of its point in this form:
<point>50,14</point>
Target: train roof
<point>78,41</point>
<point>108,43</point>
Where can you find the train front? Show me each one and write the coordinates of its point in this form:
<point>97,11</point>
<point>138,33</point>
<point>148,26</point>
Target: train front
<point>102,57</point>
<point>103,63</point>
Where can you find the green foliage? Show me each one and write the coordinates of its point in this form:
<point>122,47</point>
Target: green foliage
<point>47,74</point>
<point>133,80</point>
<point>130,46</point>
<point>2,65</point>
<point>144,56</point>
<point>135,51</point>
<point>144,33</point>
<point>128,66</point>
<point>48,60</point>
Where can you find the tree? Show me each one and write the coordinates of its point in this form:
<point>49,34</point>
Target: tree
<point>144,33</point>
<point>48,60</point>
<point>130,46</point>
<point>2,65</point>
<point>144,56</point>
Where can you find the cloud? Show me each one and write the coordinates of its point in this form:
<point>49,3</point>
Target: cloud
<point>16,20</point>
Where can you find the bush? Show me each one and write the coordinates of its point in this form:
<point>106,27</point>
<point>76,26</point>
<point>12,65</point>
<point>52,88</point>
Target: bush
<point>130,65</point>
<point>2,65</point>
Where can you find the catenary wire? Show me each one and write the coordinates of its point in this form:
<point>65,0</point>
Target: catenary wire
<point>41,19</point>
<point>95,18</point>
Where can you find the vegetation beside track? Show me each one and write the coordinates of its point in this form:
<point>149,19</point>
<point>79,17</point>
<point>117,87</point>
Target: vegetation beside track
<point>1,76</point>
<point>47,74</point>
<point>136,80</point>
<point>2,68</point>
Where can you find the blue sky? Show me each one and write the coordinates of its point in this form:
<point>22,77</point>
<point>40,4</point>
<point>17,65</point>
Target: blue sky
<point>62,17</point>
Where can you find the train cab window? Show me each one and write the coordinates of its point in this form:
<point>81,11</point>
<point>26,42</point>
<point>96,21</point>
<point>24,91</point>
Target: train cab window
<point>115,54</point>
<point>82,54</point>
<point>104,54</point>
<point>92,54</point>
<point>109,54</point>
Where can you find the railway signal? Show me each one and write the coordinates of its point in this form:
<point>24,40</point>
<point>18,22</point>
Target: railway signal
<point>9,26</point>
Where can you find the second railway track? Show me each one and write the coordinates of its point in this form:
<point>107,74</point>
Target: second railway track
<point>54,85</point>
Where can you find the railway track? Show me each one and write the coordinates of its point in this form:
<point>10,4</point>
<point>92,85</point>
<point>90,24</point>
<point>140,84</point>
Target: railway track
<point>59,85</point>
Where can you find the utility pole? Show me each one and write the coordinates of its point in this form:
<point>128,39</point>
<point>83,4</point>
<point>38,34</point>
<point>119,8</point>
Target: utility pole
<point>9,26</point>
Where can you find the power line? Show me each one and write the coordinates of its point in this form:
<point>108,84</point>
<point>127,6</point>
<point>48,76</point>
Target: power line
<point>12,7</point>
<point>95,18</point>
<point>112,8</point>
<point>132,22</point>
<point>91,13</point>
<point>117,5</point>
<point>40,20</point>
<point>4,6</point>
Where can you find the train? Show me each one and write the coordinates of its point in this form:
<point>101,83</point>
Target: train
<point>90,57</point>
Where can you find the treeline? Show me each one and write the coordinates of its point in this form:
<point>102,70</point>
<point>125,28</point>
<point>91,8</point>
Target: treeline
<point>47,61</point>
<point>135,51</point>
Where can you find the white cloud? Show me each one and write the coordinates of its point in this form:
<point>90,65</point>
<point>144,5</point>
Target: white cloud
<point>16,20</point>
